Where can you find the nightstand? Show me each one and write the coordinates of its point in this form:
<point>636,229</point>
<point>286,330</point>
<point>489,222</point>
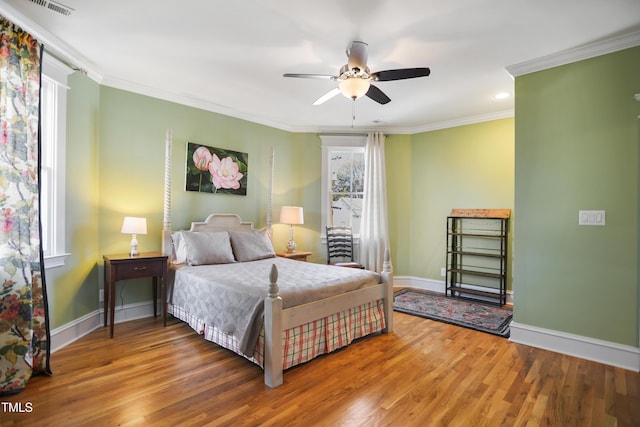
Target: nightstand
<point>123,267</point>
<point>298,256</point>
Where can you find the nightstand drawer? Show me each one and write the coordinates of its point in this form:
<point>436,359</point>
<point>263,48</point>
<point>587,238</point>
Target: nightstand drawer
<point>141,268</point>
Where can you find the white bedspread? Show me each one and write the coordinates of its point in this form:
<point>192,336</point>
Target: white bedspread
<point>230,296</point>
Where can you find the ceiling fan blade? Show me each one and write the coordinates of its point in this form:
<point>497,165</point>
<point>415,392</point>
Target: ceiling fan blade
<point>311,76</point>
<point>327,96</point>
<point>357,54</point>
<point>377,95</point>
<point>401,74</point>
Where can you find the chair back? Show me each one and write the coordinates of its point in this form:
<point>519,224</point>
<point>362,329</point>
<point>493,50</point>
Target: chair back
<point>339,244</point>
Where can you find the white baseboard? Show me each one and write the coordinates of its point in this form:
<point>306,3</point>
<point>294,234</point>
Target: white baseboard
<point>419,283</point>
<point>73,331</point>
<point>606,352</point>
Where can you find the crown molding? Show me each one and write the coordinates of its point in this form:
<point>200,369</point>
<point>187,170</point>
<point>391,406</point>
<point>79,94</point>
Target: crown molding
<point>591,50</point>
<point>463,121</point>
<point>190,101</point>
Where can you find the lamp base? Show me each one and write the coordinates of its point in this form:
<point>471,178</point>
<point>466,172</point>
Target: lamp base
<point>134,246</point>
<point>291,247</point>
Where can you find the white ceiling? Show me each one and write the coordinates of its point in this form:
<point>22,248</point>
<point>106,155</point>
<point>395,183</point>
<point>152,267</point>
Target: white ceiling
<point>229,57</point>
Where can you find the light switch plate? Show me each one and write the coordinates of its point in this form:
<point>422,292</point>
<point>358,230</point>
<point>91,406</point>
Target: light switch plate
<point>592,218</point>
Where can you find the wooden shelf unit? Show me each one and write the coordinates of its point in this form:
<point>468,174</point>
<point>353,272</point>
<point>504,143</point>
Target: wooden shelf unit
<point>477,254</point>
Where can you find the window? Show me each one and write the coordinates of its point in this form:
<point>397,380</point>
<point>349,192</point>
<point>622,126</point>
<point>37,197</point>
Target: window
<point>53,120</point>
<point>343,181</point>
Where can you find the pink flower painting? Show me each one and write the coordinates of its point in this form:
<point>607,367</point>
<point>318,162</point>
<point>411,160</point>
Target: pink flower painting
<point>216,170</point>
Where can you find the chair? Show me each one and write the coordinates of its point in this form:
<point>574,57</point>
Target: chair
<point>340,247</point>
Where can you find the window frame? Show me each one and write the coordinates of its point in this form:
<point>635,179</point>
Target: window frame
<point>330,144</point>
<point>55,73</point>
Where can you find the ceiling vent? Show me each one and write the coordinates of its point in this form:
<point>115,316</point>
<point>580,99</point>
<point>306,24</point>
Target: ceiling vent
<point>55,6</point>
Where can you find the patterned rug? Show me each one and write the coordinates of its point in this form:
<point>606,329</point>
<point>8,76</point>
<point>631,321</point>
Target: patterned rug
<point>483,317</point>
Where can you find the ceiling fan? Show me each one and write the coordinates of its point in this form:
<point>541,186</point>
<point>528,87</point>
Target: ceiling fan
<point>354,79</point>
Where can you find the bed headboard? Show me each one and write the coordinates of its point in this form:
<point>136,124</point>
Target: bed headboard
<point>222,222</point>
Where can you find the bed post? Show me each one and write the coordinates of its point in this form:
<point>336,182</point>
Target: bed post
<point>166,221</point>
<point>270,196</point>
<point>273,361</point>
<point>387,279</point>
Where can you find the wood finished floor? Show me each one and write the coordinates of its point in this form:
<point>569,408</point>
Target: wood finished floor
<point>425,373</point>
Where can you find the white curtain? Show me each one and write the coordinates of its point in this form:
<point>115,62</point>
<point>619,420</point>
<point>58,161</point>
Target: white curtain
<point>374,234</point>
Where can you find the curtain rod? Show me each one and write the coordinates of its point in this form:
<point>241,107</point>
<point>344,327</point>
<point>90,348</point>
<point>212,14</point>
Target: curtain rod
<point>64,61</point>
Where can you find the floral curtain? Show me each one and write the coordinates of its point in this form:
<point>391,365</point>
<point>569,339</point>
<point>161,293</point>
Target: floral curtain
<point>374,234</point>
<point>24,328</point>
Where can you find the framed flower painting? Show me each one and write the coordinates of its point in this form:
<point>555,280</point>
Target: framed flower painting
<point>216,170</point>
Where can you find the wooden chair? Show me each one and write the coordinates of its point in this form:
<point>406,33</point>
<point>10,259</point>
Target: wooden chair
<point>340,247</point>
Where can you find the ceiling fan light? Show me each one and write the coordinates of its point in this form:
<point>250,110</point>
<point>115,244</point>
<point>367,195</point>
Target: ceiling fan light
<point>354,87</point>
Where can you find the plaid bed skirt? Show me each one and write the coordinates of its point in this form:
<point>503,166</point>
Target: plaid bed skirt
<point>304,342</point>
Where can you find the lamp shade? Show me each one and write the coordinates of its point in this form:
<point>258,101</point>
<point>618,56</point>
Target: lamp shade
<point>134,225</point>
<point>291,215</point>
<point>354,87</point>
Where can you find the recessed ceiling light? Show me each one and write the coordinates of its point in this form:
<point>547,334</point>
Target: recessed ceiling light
<point>502,95</point>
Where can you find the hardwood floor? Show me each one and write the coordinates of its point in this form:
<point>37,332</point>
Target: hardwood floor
<point>425,373</point>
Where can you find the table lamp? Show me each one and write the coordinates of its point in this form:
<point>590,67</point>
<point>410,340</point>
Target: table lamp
<point>291,215</point>
<point>133,225</point>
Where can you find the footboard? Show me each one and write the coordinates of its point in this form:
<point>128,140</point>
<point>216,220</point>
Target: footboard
<point>277,320</point>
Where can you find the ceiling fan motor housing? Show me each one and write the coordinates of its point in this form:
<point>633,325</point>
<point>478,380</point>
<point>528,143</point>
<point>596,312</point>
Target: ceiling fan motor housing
<point>358,54</point>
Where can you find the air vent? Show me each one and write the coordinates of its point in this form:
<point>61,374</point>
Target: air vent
<point>55,6</point>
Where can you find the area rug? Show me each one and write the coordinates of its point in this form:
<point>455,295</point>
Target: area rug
<point>483,317</point>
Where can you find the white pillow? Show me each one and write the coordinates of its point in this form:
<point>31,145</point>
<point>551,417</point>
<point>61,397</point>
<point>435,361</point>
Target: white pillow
<point>204,247</point>
<point>179,248</point>
<point>251,245</point>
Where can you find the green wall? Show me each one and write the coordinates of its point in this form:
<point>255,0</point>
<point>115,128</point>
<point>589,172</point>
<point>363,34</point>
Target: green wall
<point>577,149</point>
<point>72,289</point>
<point>399,196</point>
<point>431,173</point>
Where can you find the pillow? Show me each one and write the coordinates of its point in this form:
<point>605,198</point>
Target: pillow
<point>179,248</point>
<point>251,245</point>
<point>204,247</point>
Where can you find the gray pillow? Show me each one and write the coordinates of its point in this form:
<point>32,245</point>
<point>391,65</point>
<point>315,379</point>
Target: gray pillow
<point>251,245</point>
<point>207,247</point>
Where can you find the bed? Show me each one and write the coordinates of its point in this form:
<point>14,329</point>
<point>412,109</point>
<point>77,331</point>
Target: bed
<point>226,282</point>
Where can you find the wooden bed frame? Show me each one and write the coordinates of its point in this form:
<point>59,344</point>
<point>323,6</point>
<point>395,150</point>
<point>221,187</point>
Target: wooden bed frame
<point>277,319</point>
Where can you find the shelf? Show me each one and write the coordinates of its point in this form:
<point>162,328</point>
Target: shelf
<point>471,253</point>
<point>490,236</point>
<point>476,258</point>
<point>479,293</point>
<point>475,273</point>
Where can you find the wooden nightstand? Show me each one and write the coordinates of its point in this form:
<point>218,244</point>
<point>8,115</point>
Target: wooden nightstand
<point>298,256</point>
<point>123,267</point>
